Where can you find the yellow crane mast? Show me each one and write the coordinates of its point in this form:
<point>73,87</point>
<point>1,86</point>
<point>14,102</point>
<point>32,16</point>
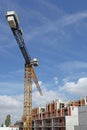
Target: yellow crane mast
<point>13,21</point>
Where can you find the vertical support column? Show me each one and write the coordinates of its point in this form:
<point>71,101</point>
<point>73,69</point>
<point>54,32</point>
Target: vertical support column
<point>52,123</point>
<point>61,109</point>
<point>27,112</point>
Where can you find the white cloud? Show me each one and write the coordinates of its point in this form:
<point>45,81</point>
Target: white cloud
<point>10,105</point>
<point>71,65</point>
<point>10,88</point>
<point>48,95</point>
<point>76,88</point>
<point>73,18</point>
<point>14,104</point>
<point>8,101</point>
<point>58,24</point>
<point>56,80</point>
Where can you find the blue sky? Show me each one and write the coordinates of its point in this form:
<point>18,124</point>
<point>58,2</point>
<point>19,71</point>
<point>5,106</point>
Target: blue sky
<point>55,32</point>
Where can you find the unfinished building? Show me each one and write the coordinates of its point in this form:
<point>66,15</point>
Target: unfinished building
<point>57,115</point>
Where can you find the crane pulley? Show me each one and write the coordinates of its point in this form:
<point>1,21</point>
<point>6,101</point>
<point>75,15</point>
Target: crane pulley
<point>13,21</point>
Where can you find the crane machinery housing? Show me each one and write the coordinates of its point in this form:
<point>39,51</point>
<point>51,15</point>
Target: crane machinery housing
<point>13,21</point>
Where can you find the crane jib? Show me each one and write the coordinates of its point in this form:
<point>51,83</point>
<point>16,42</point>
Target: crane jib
<point>20,41</point>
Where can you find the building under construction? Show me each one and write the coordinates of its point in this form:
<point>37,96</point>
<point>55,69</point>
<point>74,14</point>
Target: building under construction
<point>58,115</point>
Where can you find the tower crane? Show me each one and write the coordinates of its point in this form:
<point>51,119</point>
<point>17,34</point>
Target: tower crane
<point>13,21</point>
